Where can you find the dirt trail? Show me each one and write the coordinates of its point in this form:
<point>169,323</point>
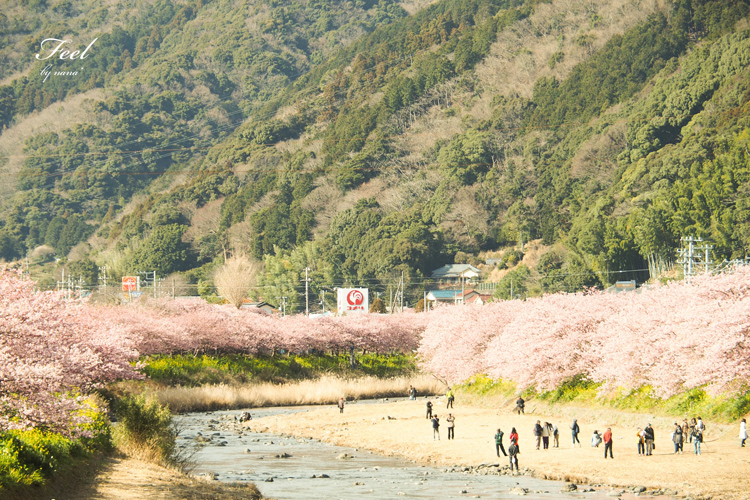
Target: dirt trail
<point>721,471</point>
<point>120,478</point>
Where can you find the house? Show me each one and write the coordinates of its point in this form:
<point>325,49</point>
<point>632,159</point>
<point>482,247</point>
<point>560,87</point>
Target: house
<point>455,296</point>
<point>479,299</point>
<point>263,306</point>
<point>456,273</point>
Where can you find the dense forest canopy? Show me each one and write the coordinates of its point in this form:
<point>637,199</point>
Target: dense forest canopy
<point>370,140</point>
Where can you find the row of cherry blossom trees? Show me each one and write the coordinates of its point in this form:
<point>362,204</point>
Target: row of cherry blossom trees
<point>170,327</point>
<point>52,353</point>
<point>673,338</point>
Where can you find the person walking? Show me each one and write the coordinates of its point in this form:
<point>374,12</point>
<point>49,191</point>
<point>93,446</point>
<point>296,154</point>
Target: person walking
<point>641,442</point>
<point>451,426</point>
<point>546,433</point>
<point>649,438</point>
<point>412,393</point>
<point>538,433</point>
<point>435,427</point>
<point>429,410</point>
<point>697,439</point>
<point>743,432</point>
<point>607,438</point>
<point>450,397</point>
<point>513,453</point>
<point>699,424</point>
<point>596,439</point>
<point>691,427</point>
<point>685,432</point>
<point>556,435</point>
<point>520,405</point>
<point>341,405</point>
<point>499,443</point>
<point>677,438</point>
<point>575,430</point>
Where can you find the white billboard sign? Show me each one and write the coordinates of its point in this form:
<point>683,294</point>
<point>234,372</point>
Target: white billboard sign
<point>353,301</point>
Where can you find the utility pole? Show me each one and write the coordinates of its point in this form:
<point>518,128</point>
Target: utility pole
<point>307,301</point>
<point>282,303</point>
<point>103,278</point>
<point>323,300</point>
<point>401,309</point>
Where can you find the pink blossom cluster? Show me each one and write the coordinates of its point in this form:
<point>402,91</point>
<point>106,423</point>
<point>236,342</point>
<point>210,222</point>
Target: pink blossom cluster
<point>169,327</point>
<point>52,353</point>
<point>673,338</point>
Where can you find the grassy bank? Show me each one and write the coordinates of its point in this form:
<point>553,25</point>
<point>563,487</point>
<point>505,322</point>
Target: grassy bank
<point>233,369</point>
<point>35,461</point>
<point>484,391</point>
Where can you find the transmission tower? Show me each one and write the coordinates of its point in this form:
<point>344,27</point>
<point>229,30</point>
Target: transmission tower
<point>694,255</point>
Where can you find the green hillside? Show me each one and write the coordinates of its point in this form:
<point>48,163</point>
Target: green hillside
<point>368,140</point>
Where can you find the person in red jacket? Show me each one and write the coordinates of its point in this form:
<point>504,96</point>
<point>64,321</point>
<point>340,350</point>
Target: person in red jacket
<point>514,436</point>
<point>607,438</point>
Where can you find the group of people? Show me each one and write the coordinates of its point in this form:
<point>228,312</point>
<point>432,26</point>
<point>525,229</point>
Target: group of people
<point>513,449</point>
<point>435,419</point>
<point>542,433</point>
<point>686,432</point>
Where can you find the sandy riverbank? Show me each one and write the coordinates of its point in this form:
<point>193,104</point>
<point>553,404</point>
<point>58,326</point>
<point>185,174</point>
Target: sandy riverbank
<point>722,470</point>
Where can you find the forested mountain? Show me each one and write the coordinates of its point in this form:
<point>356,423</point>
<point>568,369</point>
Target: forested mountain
<point>365,140</point>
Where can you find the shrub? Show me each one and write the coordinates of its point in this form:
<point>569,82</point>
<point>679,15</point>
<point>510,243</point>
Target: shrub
<point>144,429</point>
<point>29,457</point>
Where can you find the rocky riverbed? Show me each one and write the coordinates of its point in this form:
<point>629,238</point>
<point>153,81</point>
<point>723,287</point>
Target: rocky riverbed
<point>288,467</point>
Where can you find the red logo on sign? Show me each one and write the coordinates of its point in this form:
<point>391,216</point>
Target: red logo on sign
<point>355,298</point>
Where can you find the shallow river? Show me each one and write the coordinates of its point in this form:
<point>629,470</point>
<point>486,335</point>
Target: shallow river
<point>288,468</point>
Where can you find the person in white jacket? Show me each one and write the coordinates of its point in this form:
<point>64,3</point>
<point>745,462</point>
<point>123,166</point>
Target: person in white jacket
<point>743,432</point>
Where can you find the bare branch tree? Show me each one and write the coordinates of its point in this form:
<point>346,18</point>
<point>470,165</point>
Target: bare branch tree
<point>235,279</point>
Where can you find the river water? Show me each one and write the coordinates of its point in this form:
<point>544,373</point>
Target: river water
<point>289,468</point>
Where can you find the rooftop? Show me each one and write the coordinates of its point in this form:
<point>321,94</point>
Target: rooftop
<point>455,271</point>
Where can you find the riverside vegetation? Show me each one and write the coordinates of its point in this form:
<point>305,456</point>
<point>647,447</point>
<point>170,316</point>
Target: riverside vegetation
<point>367,141</point>
<point>86,348</point>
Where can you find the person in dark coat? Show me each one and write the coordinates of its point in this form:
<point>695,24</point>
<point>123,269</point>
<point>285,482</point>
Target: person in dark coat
<point>677,438</point>
<point>649,438</point>
<point>520,405</point>
<point>538,433</point>
<point>576,430</point>
<point>513,454</point>
<point>429,410</point>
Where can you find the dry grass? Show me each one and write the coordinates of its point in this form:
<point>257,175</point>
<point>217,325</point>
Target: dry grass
<point>326,390</point>
<point>522,52</point>
<point>414,6</point>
